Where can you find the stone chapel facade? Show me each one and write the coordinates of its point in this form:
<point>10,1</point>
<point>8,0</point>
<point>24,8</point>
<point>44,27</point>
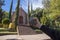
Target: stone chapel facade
<point>22,18</point>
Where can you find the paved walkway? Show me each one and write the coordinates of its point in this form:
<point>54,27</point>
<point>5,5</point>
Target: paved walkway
<point>25,37</point>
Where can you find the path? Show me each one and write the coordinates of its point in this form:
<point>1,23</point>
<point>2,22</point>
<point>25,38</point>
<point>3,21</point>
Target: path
<point>25,37</point>
<point>23,30</point>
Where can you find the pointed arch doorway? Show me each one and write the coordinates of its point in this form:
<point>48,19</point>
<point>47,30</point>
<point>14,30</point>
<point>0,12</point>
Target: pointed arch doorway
<point>20,19</point>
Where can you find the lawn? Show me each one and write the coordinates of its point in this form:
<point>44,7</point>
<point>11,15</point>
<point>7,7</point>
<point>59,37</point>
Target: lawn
<point>4,31</point>
<point>8,33</point>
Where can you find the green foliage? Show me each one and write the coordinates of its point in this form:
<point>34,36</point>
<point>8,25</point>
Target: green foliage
<point>37,13</point>
<point>17,12</point>
<point>43,20</point>
<point>5,14</point>
<point>29,13</point>
<point>8,33</point>
<point>1,25</point>
<point>51,15</point>
<point>10,10</point>
<point>38,31</point>
<point>1,11</point>
<point>12,25</point>
<point>1,3</point>
<point>46,3</point>
<point>5,26</point>
<point>1,15</point>
<point>5,21</point>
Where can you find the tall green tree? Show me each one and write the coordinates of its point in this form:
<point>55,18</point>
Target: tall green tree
<point>10,10</point>
<point>54,10</point>
<point>29,9</point>
<point>55,5</point>
<point>1,3</point>
<point>37,13</point>
<point>46,3</point>
<point>17,12</point>
<point>5,14</point>
<point>1,14</point>
<point>1,11</point>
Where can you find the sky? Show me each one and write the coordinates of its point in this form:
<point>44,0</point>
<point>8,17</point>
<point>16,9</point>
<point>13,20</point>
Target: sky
<point>23,4</point>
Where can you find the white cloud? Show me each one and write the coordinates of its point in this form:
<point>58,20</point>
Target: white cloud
<point>37,3</point>
<point>37,6</point>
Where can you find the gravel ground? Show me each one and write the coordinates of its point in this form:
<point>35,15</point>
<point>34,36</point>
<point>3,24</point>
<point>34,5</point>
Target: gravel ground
<point>25,37</point>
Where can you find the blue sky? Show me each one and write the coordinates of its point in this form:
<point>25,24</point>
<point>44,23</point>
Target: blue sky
<point>23,4</point>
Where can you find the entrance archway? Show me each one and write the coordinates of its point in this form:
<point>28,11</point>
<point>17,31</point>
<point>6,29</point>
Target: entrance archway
<point>21,19</point>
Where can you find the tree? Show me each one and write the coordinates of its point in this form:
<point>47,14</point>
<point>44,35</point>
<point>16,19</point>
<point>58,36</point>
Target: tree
<point>10,10</point>
<point>5,14</point>
<point>37,13</point>
<point>46,3</point>
<point>17,12</point>
<point>29,9</point>
<point>1,12</point>
<point>53,11</point>
<point>1,3</point>
<point>55,8</point>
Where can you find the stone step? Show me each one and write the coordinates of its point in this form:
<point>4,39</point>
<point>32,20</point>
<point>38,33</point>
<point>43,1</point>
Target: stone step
<point>22,30</point>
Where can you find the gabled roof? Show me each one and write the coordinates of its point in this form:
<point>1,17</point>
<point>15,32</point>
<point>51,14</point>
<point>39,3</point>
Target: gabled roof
<point>22,10</point>
<point>19,9</point>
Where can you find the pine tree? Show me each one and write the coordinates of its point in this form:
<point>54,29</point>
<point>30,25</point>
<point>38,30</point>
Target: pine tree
<point>17,12</point>
<point>28,9</point>
<point>10,10</point>
<point>1,11</point>
<point>1,3</point>
<point>31,8</point>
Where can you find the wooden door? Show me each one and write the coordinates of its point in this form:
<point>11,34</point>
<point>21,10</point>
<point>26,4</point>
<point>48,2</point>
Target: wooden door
<point>21,19</point>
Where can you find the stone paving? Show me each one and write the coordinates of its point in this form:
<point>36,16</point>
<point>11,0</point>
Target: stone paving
<point>25,37</point>
<point>22,30</point>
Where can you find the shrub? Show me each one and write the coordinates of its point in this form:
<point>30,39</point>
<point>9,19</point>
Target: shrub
<point>58,29</point>
<point>5,21</point>
<point>11,25</point>
<point>5,25</point>
<point>38,31</point>
<point>1,25</point>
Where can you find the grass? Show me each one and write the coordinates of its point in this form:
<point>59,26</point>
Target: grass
<point>58,29</point>
<point>8,33</point>
<point>4,31</point>
<point>38,31</point>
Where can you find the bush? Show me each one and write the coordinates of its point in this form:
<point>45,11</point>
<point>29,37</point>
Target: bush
<point>58,29</point>
<point>38,31</point>
<point>43,20</point>
<point>1,25</point>
<point>5,21</point>
<point>12,27</point>
<point>5,25</point>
